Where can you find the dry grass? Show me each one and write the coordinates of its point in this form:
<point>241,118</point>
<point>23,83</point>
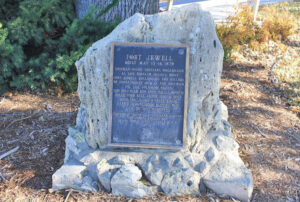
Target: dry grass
<point>277,22</point>
<point>287,69</point>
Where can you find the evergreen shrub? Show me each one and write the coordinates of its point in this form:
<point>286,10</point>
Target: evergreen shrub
<point>41,39</point>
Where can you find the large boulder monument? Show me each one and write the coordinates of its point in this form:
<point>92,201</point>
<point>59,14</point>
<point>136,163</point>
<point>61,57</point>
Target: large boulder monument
<point>151,119</point>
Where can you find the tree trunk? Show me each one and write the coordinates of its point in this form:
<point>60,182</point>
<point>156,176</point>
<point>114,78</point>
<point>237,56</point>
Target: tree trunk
<point>122,9</point>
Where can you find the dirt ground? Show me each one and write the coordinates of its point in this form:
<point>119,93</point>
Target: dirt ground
<point>267,131</point>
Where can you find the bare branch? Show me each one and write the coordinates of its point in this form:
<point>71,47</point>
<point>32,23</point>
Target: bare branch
<point>9,152</point>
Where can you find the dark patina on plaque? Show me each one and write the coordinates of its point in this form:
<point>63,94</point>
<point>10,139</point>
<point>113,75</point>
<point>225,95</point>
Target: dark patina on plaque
<point>148,95</point>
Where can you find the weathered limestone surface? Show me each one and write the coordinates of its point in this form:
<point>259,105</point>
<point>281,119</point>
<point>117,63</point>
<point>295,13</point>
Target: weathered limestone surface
<point>230,177</point>
<point>181,182</point>
<point>73,176</point>
<point>210,157</point>
<point>126,183</point>
<point>189,25</point>
<point>105,173</point>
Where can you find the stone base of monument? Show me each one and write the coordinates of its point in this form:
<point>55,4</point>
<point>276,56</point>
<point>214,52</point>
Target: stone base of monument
<point>210,156</point>
<point>144,172</point>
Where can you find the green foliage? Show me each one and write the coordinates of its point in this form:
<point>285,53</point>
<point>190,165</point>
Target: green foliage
<point>8,9</point>
<point>40,41</point>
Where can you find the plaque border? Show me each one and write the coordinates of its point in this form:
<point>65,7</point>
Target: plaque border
<point>186,94</point>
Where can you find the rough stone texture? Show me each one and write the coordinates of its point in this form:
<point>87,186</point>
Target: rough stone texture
<point>72,176</point>
<point>105,172</point>
<point>75,144</point>
<point>88,184</point>
<point>201,167</point>
<point>226,144</point>
<point>154,168</point>
<point>157,166</point>
<point>230,177</point>
<point>210,157</point>
<point>80,119</point>
<point>224,111</point>
<point>189,25</point>
<point>193,159</point>
<point>167,169</point>
<point>181,182</point>
<point>126,183</point>
<point>122,160</point>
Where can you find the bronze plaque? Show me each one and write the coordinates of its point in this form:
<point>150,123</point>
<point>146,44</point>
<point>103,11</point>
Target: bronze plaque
<point>148,95</point>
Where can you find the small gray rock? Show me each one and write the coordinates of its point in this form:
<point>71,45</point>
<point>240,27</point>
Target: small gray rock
<point>88,184</point>
<point>189,158</point>
<point>153,175</point>
<point>229,176</point>
<point>76,145</point>
<point>209,154</point>
<point>179,163</point>
<point>90,161</point>
<point>202,186</point>
<point>126,183</point>
<point>105,173</point>
<point>68,176</point>
<point>181,182</point>
<point>154,168</point>
<point>200,167</point>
